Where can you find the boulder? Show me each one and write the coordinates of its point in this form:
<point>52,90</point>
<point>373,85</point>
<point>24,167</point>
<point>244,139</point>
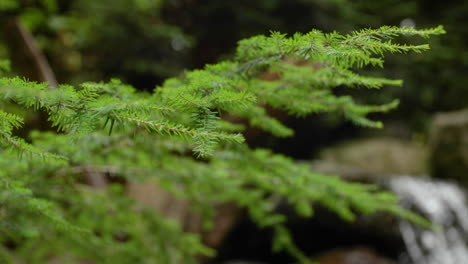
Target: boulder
<point>449,146</point>
<point>371,159</point>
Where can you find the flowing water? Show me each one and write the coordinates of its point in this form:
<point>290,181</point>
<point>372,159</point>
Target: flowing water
<point>442,203</point>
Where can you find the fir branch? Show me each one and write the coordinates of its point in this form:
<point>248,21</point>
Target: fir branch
<point>22,147</point>
<point>391,31</point>
<point>10,121</point>
<point>181,131</point>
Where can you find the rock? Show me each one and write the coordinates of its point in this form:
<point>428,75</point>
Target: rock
<point>150,195</point>
<point>449,146</point>
<point>359,255</point>
<point>366,159</point>
<point>242,262</point>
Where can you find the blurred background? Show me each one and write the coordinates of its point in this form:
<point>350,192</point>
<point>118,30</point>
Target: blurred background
<point>143,42</point>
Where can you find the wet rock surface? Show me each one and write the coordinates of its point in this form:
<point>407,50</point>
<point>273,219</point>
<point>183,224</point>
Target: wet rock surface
<point>358,255</point>
<point>242,262</point>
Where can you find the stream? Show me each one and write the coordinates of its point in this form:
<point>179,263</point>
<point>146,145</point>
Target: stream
<point>444,204</point>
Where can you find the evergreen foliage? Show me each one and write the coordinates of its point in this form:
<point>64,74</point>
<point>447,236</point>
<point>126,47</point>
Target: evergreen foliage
<point>446,60</point>
<point>112,129</point>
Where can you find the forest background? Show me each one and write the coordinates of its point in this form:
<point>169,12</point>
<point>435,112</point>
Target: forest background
<point>143,42</point>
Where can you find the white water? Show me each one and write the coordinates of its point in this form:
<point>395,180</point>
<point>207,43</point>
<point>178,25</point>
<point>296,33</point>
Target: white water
<point>442,203</point>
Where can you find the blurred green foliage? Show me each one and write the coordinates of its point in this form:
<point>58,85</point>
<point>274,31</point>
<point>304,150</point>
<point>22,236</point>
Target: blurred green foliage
<point>144,42</point>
